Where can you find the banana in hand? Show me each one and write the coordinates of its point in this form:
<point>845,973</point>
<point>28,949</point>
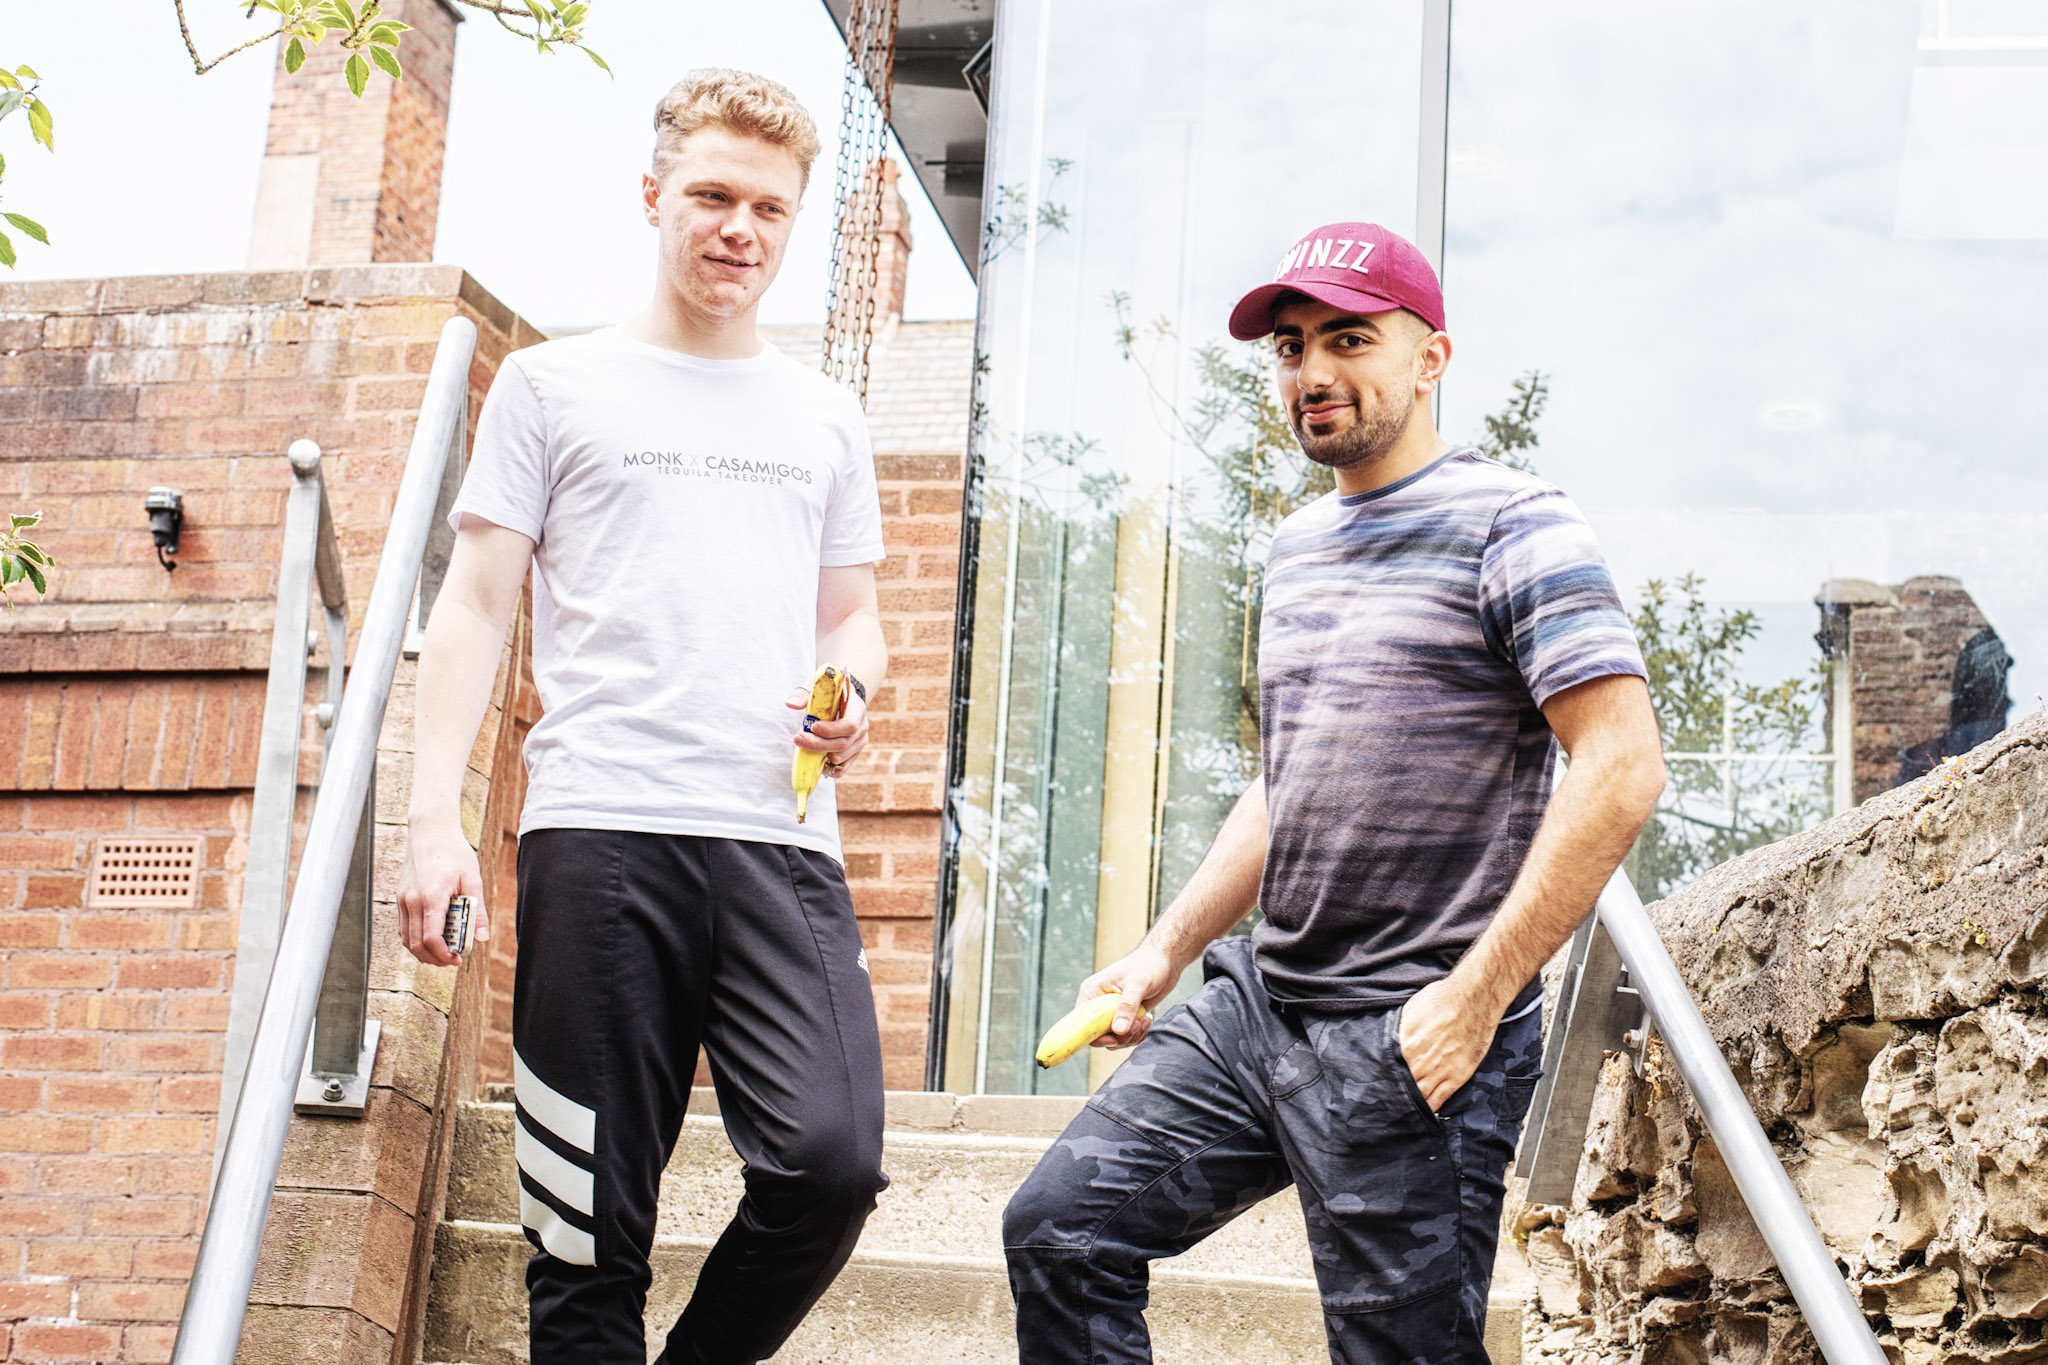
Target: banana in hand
<point>1088,1021</point>
<point>828,702</point>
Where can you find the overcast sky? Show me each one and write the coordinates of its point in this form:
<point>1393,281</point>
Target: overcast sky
<point>155,169</point>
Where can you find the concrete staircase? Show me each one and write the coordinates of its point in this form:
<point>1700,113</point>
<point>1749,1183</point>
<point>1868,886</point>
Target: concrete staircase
<point>927,1284</point>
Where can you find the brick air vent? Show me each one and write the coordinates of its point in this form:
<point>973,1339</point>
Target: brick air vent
<point>144,874</point>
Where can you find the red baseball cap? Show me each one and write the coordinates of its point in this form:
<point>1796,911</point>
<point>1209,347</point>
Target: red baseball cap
<point>1359,266</point>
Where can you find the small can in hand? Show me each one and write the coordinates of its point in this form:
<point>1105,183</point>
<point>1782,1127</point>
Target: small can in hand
<point>455,928</point>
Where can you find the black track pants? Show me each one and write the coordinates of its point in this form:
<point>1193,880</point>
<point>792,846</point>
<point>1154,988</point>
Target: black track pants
<point>634,949</point>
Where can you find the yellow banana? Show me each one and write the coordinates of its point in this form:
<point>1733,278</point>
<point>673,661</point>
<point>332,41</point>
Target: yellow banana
<point>828,702</point>
<point>1088,1021</point>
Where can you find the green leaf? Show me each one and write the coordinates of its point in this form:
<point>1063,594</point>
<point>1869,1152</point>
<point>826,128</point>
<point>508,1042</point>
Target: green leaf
<point>358,74</point>
<point>26,73</point>
<point>294,56</point>
<point>388,25</point>
<point>10,102</point>
<point>573,15</point>
<point>35,576</point>
<point>341,7</point>
<point>599,60</point>
<point>10,571</point>
<point>33,554</point>
<point>39,124</point>
<point>6,249</point>
<point>7,82</point>
<point>21,519</point>
<point>540,14</point>
<point>3,165</point>
<point>30,226</point>
<point>385,61</point>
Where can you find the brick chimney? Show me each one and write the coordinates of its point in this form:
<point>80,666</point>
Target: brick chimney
<point>348,180</point>
<point>1918,675</point>
<point>892,268</point>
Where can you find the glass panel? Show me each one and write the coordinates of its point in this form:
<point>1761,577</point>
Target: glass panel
<point>1150,161</point>
<point>1781,267</point>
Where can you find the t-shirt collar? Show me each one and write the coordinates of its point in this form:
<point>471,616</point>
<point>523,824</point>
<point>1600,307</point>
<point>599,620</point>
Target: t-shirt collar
<point>1373,494</point>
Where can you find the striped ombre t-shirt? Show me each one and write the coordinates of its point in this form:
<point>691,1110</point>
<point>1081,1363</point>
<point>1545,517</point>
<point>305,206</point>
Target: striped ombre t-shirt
<point>1410,636</point>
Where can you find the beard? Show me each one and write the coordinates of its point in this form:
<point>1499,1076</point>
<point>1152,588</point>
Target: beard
<point>1370,435</point>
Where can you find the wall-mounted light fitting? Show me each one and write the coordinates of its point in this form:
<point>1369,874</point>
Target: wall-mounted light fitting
<point>166,508</point>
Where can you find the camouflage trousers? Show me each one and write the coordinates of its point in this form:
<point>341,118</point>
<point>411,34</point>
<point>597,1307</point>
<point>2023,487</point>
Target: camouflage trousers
<point>1231,1098</point>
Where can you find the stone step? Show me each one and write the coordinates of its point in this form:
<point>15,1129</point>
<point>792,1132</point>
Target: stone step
<point>927,1284</point>
<point>903,1309</point>
<point>947,1187</point>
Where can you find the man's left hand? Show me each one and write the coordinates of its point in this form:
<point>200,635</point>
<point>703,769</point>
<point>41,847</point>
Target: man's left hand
<point>1445,1033</point>
<point>839,740</point>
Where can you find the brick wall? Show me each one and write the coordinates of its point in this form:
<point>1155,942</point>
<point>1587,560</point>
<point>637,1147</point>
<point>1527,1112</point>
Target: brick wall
<point>110,1054</point>
<point>890,803</point>
<point>131,702</point>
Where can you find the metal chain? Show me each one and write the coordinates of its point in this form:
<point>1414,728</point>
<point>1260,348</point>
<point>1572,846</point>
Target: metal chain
<point>859,188</point>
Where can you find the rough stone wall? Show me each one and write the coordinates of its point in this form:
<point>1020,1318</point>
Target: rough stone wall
<point>1877,986</point>
<point>130,703</point>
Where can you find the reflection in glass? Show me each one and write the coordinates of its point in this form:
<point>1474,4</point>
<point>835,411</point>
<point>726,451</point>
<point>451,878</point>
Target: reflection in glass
<point>1148,163</point>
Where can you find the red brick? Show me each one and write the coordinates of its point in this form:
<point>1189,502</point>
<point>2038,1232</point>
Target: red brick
<point>169,973</point>
<point>92,1260</point>
<point>38,853</point>
<point>178,1174</point>
<point>101,1095</point>
<point>46,971</point>
<point>131,1302</point>
<point>128,929</point>
<point>98,1175</point>
<point>44,1341</point>
<point>24,1012</point>
<point>152,1135</point>
<point>100,1010</point>
<point>164,1260</point>
<point>180,721</point>
<point>190,1095</point>
<point>74,740</point>
<point>30,931</point>
<point>16,1176</point>
<point>210,735</point>
<point>55,891</point>
<point>141,1217</point>
<point>20,1094</point>
<point>39,746</point>
<point>202,1012</point>
<point>148,1344</point>
<point>43,1134</point>
<point>35,1300</point>
<point>13,733</point>
<point>49,1052</point>
<point>38,1217</point>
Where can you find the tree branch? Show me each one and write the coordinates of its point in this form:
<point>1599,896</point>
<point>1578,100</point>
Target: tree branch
<point>201,67</point>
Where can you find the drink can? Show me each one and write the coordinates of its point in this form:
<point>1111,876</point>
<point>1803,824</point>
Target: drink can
<point>455,928</point>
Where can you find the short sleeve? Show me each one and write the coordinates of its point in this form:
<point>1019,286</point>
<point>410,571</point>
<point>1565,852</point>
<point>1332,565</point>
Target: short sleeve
<point>507,480</point>
<point>1547,601</point>
<point>853,515</point>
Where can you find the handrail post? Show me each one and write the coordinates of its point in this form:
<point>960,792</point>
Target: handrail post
<point>218,1299</point>
<point>309,553</point>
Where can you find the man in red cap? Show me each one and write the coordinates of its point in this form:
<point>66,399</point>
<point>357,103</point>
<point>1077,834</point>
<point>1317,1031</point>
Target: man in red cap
<point>1432,630</point>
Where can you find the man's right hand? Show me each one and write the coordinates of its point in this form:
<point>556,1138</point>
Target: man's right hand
<point>439,865</point>
<point>1144,978</point>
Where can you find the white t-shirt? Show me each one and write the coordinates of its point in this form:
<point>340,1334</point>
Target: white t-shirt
<point>682,508</point>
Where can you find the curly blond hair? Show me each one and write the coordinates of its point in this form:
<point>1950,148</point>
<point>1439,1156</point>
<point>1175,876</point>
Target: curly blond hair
<point>739,102</point>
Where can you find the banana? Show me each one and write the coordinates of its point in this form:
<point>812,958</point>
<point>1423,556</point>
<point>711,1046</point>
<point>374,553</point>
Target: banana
<point>1088,1021</point>
<point>828,702</point>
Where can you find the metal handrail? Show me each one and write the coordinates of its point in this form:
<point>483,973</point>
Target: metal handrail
<point>310,555</point>
<point>211,1325</point>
